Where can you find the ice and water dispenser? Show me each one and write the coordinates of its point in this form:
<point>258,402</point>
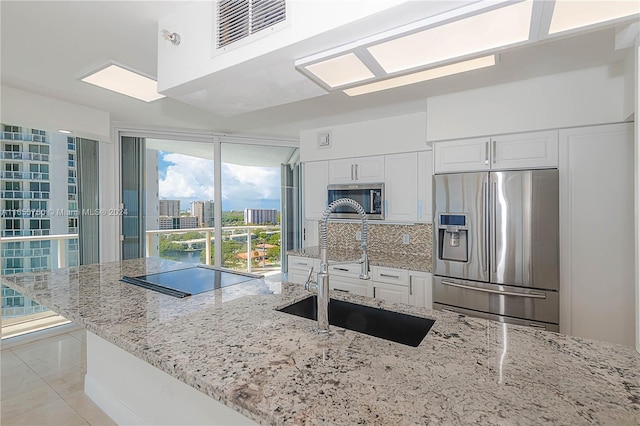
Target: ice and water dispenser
<point>453,236</point>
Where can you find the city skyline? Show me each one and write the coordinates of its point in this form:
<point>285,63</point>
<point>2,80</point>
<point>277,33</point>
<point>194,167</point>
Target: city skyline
<point>188,179</point>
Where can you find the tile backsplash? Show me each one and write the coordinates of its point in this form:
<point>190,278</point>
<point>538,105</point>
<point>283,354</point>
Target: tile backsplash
<point>381,237</point>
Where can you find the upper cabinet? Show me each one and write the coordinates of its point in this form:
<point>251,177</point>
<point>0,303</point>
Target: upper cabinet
<point>316,178</point>
<point>357,170</point>
<point>518,151</point>
<point>425,186</point>
<point>401,187</point>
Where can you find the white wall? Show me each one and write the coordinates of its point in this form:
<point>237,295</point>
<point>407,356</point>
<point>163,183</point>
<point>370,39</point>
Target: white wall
<point>403,133</point>
<point>31,110</point>
<point>576,98</point>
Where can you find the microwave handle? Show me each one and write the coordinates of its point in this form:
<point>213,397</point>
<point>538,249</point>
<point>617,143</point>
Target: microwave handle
<point>372,195</point>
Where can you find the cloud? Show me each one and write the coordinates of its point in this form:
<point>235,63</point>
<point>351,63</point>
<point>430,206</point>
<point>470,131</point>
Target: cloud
<point>187,179</point>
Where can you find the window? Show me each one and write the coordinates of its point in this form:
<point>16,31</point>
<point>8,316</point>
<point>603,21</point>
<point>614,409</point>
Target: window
<point>39,186</point>
<point>12,224</point>
<point>38,205</point>
<point>12,147</point>
<point>39,263</point>
<point>39,149</point>
<point>11,186</point>
<point>12,167</point>
<point>13,129</point>
<point>12,204</point>
<point>42,168</point>
<point>39,224</point>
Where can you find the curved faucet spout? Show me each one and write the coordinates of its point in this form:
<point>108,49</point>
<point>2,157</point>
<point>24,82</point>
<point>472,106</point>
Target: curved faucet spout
<point>323,276</point>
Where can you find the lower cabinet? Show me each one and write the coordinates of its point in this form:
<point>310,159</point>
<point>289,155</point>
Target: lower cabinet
<point>389,284</point>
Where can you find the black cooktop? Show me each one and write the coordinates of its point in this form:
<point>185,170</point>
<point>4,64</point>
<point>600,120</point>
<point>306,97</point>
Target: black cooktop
<point>189,281</point>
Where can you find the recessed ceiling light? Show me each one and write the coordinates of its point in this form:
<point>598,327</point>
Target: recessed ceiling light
<point>473,64</point>
<point>341,70</point>
<point>489,30</point>
<point>66,132</point>
<point>126,82</point>
<point>568,15</point>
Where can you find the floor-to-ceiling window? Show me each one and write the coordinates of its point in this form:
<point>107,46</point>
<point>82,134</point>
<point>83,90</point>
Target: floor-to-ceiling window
<point>182,212</point>
<point>41,214</point>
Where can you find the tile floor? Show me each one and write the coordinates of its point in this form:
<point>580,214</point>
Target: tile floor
<point>42,384</point>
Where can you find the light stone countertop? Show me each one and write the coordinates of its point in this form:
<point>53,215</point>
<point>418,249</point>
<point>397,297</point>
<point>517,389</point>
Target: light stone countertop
<point>376,258</point>
<point>272,367</point>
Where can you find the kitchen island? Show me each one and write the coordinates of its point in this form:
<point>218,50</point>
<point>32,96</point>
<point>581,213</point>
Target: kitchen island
<point>234,346</point>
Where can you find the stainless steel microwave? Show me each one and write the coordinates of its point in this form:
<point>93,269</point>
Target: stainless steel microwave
<point>369,195</point>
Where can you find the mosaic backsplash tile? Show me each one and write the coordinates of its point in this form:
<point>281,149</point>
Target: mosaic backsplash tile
<point>382,237</point>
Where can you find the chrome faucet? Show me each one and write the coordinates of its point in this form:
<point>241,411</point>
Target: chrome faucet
<point>322,282</point>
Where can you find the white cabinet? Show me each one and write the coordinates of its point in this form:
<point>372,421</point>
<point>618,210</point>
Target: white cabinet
<point>316,179</point>
<point>421,289</point>
<point>352,170</point>
<point>525,151</point>
<point>425,186</point>
<point>401,187</point>
<point>350,285</point>
<point>298,268</point>
<point>391,292</point>
<point>461,155</point>
<point>518,151</point>
<point>597,255</point>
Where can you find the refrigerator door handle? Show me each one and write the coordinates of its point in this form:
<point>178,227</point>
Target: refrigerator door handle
<point>484,227</point>
<point>533,295</point>
<point>486,152</point>
<point>492,241</point>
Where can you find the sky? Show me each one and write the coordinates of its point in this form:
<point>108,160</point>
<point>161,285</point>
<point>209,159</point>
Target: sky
<point>186,178</point>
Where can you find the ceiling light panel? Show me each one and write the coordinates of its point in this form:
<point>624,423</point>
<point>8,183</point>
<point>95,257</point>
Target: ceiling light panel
<point>473,64</point>
<point>121,80</point>
<point>341,70</point>
<point>489,30</point>
<point>568,15</point>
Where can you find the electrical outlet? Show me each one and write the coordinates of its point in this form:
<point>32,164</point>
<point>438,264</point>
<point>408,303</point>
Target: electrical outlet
<point>358,235</point>
<point>405,238</point>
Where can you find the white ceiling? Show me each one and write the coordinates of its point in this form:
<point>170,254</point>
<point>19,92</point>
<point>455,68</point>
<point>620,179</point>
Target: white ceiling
<point>47,45</point>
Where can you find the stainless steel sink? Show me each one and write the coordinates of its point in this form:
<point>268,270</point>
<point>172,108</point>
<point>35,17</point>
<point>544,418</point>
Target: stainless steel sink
<point>397,327</point>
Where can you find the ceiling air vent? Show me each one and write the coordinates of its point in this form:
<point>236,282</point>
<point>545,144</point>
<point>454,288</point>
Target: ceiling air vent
<point>238,19</point>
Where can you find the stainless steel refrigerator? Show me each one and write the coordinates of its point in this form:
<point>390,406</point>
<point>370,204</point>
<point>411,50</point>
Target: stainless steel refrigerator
<point>496,249</point>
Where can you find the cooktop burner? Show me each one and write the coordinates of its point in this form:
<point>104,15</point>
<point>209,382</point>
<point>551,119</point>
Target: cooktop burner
<point>189,281</point>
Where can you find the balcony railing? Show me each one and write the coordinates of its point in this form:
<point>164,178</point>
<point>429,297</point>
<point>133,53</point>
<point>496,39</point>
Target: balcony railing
<point>25,137</point>
<point>25,195</point>
<point>24,175</point>
<point>242,249</point>
<point>20,315</point>
<point>31,156</point>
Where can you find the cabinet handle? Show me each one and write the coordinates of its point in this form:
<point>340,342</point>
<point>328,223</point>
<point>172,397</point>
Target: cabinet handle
<point>340,269</point>
<point>493,151</point>
<point>486,152</point>
<point>410,286</point>
<point>390,276</point>
<point>356,172</point>
<point>352,172</point>
<point>339,289</point>
<point>374,292</point>
<point>301,263</point>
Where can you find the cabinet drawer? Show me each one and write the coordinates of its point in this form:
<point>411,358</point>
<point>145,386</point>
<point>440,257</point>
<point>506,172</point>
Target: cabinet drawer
<point>348,285</point>
<point>300,262</point>
<point>351,270</point>
<point>390,275</point>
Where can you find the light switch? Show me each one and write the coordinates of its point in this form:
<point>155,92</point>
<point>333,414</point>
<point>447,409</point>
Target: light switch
<point>405,238</point>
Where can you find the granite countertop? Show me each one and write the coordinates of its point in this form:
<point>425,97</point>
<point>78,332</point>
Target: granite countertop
<point>272,367</point>
<point>411,262</point>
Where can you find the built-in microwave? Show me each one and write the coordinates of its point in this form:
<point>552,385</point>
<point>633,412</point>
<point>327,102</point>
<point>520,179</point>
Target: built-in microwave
<point>369,195</point>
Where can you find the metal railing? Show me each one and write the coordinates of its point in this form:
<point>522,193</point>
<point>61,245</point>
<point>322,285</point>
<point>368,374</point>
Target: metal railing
<point>25,137</point>
<point>240,234</point>
<point>17,155</point>
<point>24,175</point>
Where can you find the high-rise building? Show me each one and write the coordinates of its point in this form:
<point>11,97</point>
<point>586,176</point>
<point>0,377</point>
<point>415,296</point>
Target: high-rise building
<point>169,208</point>
<point>203,210</point>
<point>39,197</point>
<point>260,216</point>
<point>177,222</point>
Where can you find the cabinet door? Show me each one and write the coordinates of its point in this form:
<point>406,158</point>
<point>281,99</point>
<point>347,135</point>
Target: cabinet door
<point>420,289</point>
<point>391,292</point>
<point>425,186</point>
<point>462,155</point>
<point>369,169</point>
<point>525,151</point>
<point>349,285</point>
<point>401,187</point>
<point>316,178</point>
<point>597,219</point>
<point>342,171</point>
